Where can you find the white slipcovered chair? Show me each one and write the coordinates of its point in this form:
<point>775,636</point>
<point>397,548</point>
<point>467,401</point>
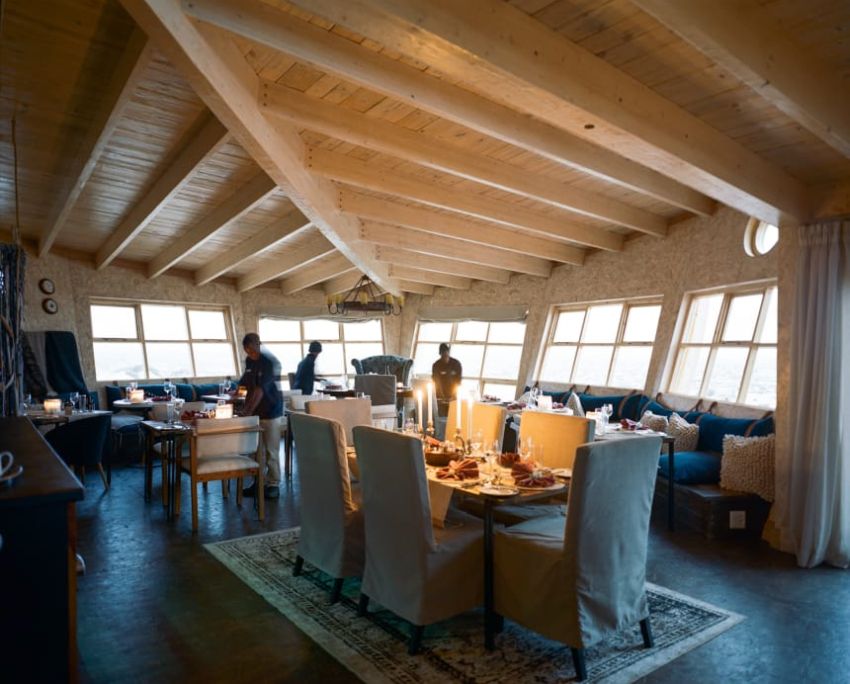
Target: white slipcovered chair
<point>223,449</point>
<point>489,419</point>
<point>381,389</point>
<point>331,521</point>
<point>580,582</point>
<point>348,412</point>
<point>559,435</point>
<point>421,573</point>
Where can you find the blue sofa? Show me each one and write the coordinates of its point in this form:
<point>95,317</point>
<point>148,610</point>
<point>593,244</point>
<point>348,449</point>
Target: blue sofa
<point>186,391</point>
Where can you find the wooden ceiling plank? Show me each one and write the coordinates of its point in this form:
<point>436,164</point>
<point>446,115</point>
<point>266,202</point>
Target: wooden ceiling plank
<point>364,175</point>
<point>420,275</point>
<point>239,203</point>
<point>416,288</point>
<point>267,237</point>
<point>458,228</point>
<point>125,78</point>
<point>293,259</point>
<point>441,155</point>
<point>516,58</point>
<point>287,33</point>
<point>342,283</point>
<point>393,237</point>
<point>204,143</point>
<point>757,51</point>
<point>315,274</point>
<point>220,75</point>
<point>405,257</point>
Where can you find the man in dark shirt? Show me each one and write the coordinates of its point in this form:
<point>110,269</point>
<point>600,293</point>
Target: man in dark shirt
<point>305,374</point>
<point>446,374</point>
<point>262,371</point>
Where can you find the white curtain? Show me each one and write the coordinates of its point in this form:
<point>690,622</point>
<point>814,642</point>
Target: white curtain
<point>815,506</point>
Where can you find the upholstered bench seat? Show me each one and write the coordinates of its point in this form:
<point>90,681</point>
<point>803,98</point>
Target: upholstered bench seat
<point>221,464</point>
<point>692,467</point>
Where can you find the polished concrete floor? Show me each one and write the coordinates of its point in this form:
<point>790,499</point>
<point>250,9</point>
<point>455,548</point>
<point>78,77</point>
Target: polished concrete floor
<point>154,606</point>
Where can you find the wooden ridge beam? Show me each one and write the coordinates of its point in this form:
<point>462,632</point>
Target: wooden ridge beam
<point>204,142</point>
<point>285,263</point>
<point>499,49</point>
<point>457,227</point>
<point>361,174</point>
<point>420,275</point>
<point>269,236</point>
<point>743,40</point>
<point>218,72</point>
<point>122,84</point>
<point>316,273</point>
<point>406,257</point>
<point>418,241</point>
<point>416,288</point>
<point>383,136</point>
<point>284,32</point>
<point>239,203</point>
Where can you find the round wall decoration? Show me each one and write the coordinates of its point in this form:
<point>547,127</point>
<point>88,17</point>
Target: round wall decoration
<point>49,305</point>
<point>46,285</point>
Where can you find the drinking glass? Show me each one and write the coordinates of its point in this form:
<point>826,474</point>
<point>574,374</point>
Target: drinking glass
<point>477,442</point>
<point>491,456</point>
<point>134,385</point>
<point>74,398</point>
<point>169,412</point>
<point>168,388</point>
<point>525,448</point>
<point>26,403</point>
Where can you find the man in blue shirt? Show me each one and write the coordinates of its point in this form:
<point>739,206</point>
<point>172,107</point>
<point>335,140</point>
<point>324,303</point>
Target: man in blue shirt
<point>262,372</point>
<point>305,374</point>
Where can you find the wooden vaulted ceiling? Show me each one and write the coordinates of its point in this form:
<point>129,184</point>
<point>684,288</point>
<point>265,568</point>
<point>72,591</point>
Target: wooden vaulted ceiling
<point>423,142</point>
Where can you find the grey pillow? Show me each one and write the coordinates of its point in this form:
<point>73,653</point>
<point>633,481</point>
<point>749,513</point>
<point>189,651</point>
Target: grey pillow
<point>574,403</point>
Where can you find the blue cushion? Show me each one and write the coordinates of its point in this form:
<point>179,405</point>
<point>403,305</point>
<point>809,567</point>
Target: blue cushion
<point>185,391</point>
<point>113,393</point>
<point>125,422</point>
<point>655,408</point>
<point>713,428</point>
<point>694,416</point>
<point>763,427</point>
<point>630,407</point>
<point>557,395</point>
<point>692,467</point>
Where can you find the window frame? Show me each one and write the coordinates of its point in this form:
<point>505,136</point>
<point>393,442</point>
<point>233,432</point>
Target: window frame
<point>767,289</point>
<point>482,379</point>
<point>136,305</point>
<point>618,342</point>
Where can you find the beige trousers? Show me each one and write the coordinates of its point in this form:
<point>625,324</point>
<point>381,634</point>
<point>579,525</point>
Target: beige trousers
<point>270,446</point>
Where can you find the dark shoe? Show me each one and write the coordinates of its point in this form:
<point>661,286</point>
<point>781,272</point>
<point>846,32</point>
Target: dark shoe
<point>251,491</point>
<point>271,492</point>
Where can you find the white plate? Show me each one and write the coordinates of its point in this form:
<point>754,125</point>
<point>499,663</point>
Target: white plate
<point>550,488</point>
<point>562,472</point>
<point>11,474</point>
<point>498,491</point>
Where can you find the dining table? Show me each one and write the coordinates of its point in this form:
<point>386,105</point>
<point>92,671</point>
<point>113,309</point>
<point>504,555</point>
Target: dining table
<point>172,437</point>
<point>45,419</point>
<point>127,405</point>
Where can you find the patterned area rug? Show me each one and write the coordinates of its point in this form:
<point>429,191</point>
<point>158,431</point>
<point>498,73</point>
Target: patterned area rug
<point>374,647</point>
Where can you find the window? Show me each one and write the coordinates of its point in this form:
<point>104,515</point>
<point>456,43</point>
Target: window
<point>489,353</point>
<point>146,341</point>
<point>608,344</point>
<point>760,237</point>
<point>288,340</point>
<point>727,350</point>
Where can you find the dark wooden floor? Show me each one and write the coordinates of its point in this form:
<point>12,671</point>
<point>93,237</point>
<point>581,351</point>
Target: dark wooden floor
<point>155,606</point>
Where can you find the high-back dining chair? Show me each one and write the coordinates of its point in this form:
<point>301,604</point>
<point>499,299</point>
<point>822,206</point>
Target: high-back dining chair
<point>381,389</point>
<point>331,522</point>
<point>559,435</point>
<point>489,419</point>
<point>82,443</point>
<point>223,449</point>
<point>349,412</point>
<point>581,582</point>
<point>422,573</point>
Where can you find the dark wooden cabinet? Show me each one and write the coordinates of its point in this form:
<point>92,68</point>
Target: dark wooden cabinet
<point>37,561</point>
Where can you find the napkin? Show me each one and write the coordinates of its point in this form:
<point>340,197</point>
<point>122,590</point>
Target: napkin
<point>467,469</point>
<point>508,458</point>
<point>528,475</point>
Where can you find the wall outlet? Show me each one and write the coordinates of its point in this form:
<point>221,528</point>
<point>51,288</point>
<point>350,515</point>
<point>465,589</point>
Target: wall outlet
<point>737,520</point>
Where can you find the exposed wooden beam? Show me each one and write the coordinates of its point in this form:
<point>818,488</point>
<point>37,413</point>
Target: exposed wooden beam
<point>451,226</point>
<point>342,283</point>
<point>205,141</point>
<point>416,288</point>
<point>743,39</point>
<point>419,241</point>
<point>316,273</point>
<point>239,203</point>
<point>361,174</point>
<point>269,236</point>
<point>359,129</point>
<point>221,77</point>
<point>293,259</point>
<point>420,275</point>
<point>287,33</point>
<point>499,49</point>
<point>122,84</point>
<point>406,257</point>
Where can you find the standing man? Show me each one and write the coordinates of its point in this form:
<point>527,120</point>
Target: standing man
<point>446,374</point>
<point>262,370</point>
<point>305,374</point>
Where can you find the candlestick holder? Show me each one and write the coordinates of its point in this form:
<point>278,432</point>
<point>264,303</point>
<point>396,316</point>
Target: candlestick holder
<point>429,431</point>
<point>461,442</point>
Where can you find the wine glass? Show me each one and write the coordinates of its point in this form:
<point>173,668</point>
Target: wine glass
<point>525,448</point>
<point>491,456</point>
<point>168,388</point>
<point>26,403</point>
<point>477,442</point>
<point>74,398</point>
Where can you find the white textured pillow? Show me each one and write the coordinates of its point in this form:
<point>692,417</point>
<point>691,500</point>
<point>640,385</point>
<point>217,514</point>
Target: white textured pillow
<point>653,421</point>
<point>574,403</point>
<point>748,465</point>
<point>686,434</point>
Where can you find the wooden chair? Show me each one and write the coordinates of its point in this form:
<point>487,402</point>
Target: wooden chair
<point>222,450</point>
<point>487,419</point>
<point>559,435</point>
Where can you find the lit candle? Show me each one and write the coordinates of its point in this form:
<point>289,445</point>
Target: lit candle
<point>52,405</point>
<point>137,396</point>
<point>458,402</point>
<point>430,402</point>
<point>469,417</point>
<point>419,408</point>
